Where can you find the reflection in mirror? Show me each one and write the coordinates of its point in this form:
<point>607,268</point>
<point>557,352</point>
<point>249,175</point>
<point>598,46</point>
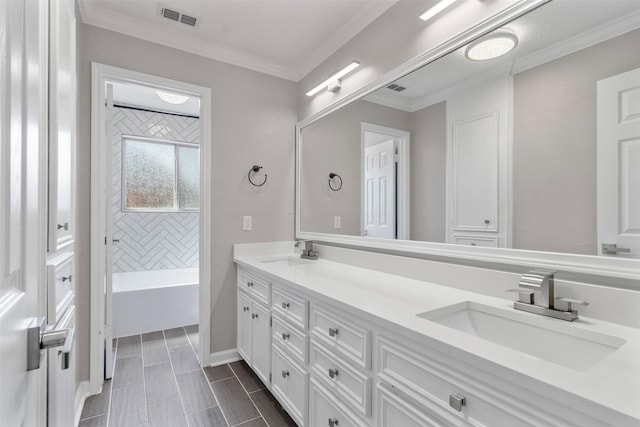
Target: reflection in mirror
<point>536,149</point>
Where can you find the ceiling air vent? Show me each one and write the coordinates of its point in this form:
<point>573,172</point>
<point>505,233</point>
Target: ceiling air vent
<point>189,20</point>
<point>170,14</point>
<point>396,87</point>
<point>178,16</point>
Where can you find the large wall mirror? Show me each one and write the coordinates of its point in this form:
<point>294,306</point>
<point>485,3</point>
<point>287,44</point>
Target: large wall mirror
<point>537,149</point>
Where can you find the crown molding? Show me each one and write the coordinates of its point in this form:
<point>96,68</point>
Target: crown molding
<point>372,11</point>
<point>166,35</point>
<point>578,42</point>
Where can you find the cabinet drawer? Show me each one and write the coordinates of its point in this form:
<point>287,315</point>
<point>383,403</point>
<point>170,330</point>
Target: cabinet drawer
<point>488,242</point>
<point>60,287</point>
<point>293,342</point>
<point>290,307</point>
<point>393,411</point>
<point>348,383</point>
<point>259,288</point>
<point>340,334</point>
<point>325,410</point>
<point>421,378</point>
<point>290,385</point>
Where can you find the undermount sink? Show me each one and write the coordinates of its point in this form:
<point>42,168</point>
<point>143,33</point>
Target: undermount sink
<point>543,338</point>
<point>286,261</point>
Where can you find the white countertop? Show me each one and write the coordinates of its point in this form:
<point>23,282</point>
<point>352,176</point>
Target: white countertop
<point>613,382</point>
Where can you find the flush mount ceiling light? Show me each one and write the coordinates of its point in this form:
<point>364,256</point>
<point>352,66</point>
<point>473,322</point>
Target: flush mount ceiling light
<point>172,98</point>
<point>333,83</point>
<point>433,11</point>
<point>492,46</point>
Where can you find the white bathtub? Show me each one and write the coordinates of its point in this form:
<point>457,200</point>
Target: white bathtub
<point>147,301</point>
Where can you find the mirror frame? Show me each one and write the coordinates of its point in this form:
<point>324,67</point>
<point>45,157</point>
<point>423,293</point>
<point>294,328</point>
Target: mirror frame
<point>617,272</point>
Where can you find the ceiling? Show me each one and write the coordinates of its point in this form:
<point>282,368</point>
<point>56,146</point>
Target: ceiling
<point>284,38</point>
<point>551,31</point>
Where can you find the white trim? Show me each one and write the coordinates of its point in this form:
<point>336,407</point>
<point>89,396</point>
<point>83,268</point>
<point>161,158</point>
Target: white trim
<point>225,356</point>
<point>155,32</point>
<point>99,74</point>
<point>580,266</point>
<point>403,138</point>
<point>82,392</point>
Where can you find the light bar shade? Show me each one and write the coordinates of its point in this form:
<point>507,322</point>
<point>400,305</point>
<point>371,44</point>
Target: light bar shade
<point>433,11</point>
<point>336,76</point>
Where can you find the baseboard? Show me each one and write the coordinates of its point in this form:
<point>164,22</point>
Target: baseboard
<point>222,357</point>
<point>81,395</point>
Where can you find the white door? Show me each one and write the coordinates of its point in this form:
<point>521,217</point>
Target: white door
<point>618,165</point>
<point>23,130</point>
<point>261,341</point>
<point>380,190</point>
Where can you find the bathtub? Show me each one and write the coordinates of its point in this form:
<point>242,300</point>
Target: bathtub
<point>147,301</point>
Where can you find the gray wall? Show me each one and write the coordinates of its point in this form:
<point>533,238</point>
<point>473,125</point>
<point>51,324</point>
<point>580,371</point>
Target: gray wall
<point>151,240</point>
<point>428,173</point>
<point>253,118</point>
<point>554,148</point>
<point>333,145</point>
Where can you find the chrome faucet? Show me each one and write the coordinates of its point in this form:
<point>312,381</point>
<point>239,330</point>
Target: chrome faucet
<point>536,295</point>
<point>307,252</point>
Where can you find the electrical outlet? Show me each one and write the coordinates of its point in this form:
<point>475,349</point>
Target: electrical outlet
<point>337,222</point>
<point>247,222</point>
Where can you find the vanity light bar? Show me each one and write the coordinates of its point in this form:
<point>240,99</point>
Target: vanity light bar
<point>433,11</point>
<point>334,77</point>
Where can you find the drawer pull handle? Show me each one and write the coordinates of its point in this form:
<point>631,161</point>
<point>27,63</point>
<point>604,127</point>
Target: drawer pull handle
<point>457,401</point>
<point>249,284</point>
<point>285,336</point>
<point>285,305</point>
<point>333,373</point>
<point>245,308</point>
<point>65,278</point>
<point>64,226</point>
<point>333,422</point>
<point>285,374</point>
<point>333,332</point>
<point>254,315</point>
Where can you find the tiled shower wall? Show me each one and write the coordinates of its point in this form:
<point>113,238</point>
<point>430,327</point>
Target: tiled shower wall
<point>151,240</point>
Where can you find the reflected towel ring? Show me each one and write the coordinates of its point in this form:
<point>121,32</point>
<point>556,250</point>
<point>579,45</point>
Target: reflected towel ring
<point>334,175</point>
<point>255,169</point>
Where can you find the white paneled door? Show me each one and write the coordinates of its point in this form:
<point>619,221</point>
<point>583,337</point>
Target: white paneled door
<point>23,72</point>
<point>618,159</point>
<point>380,190</point>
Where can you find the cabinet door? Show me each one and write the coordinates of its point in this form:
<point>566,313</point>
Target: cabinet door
<point>62,95</point>
<point>261,341</point>
<point>244,326</point>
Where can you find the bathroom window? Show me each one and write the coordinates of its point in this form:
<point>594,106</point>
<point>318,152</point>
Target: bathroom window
<point>160,175</point>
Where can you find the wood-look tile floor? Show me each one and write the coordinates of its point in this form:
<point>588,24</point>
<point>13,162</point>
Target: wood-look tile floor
<point>158,382</point>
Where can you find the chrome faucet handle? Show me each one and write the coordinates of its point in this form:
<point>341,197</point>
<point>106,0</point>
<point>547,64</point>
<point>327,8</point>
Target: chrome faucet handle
<point>570,301</point>
<point>525,296</point>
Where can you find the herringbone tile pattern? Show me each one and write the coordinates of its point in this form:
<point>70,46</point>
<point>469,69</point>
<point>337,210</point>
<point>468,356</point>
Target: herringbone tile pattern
<point>150,240</point>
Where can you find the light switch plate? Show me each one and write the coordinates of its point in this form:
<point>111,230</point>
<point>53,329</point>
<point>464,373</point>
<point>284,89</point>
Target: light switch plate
<point>247,223</point>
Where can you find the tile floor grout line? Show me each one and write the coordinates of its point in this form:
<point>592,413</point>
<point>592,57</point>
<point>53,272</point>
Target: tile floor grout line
<point>226,420</point>
<point>248,421</point>
<point>175,379</point>
<point>144,380</point>
<point>247,393</point>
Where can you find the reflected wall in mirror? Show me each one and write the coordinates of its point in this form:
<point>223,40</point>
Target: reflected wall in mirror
<point>538,149</point>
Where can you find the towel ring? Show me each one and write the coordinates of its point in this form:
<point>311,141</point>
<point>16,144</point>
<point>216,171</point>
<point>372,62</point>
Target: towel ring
<point>256,169</point>
<point>334,175</point>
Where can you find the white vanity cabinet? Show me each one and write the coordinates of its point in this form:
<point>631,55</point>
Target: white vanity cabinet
<point>290,352</point>
<point>254,324</point>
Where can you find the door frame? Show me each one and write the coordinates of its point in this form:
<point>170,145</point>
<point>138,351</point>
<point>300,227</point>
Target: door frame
<point>100,73</point>
<point>403,183</point>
